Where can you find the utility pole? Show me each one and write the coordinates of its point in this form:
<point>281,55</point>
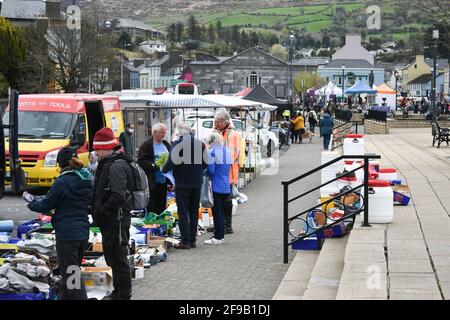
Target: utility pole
<point>433,86</point>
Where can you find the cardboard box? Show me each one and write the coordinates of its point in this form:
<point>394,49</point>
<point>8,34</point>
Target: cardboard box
<point>156,241</point>
<point>97,247</point>
<point>97,277</point>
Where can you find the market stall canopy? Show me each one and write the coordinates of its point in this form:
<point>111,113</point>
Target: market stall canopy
<point>191,101</point>
<point>384,89</point>
<point>329,89</point>
<point>259,94</point>
<point>360,87</point>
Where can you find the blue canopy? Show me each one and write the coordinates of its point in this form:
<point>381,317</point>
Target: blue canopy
<point>360,87</point>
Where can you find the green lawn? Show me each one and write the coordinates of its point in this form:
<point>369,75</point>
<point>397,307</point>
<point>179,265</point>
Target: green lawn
<point>244,19</point>
<point>314,26</point>
<point>292,10</point>
<point>307,18</point>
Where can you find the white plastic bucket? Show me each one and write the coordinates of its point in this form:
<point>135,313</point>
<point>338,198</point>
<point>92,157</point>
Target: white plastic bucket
<point>354,144</point>
<point>388,174</point>
<point>381,202</point>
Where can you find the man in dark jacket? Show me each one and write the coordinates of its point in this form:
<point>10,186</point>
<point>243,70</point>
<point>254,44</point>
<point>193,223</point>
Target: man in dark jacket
<point>69,197</point>
<point>126,139</point>
<point>150,152</point>
<point>326,126</point>
<point>186,159</point>
<point>114,182</point>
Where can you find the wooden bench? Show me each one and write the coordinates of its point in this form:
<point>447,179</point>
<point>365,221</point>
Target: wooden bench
<point>439,134</point>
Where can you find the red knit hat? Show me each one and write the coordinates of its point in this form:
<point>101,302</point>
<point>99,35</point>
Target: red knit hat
<point>104,139</point>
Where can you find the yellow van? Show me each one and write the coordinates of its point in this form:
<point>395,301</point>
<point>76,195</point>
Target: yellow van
<point>48,122</point>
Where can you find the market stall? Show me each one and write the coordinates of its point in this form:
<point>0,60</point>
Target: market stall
<point>329,90</point>
<point>385,96</point>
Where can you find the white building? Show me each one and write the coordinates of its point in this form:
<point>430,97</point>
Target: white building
<point>152,46</point>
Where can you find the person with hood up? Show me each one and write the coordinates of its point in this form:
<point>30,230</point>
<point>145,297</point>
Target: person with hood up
<point>69,198</point>
<point>326,125</point>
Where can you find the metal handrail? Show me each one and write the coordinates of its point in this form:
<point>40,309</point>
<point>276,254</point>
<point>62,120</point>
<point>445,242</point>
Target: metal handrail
<point>364,207</point>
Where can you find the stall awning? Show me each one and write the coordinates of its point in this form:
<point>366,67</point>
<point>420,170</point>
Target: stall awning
<point>360,87</point>
<point>384,89</point>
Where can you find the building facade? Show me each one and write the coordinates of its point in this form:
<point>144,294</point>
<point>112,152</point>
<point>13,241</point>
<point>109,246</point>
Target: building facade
<point>249,68</point>
<point>351,63</point>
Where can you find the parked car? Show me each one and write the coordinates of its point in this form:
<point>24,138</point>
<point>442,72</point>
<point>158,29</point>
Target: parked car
<point>268,140</point>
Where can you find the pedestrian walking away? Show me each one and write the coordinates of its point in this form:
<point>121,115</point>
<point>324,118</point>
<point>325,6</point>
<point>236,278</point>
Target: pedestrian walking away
<point>114,183</point>
<point>150,154</point>
<point>188,164</point>
<point>219,171</point>
<point>126,139</point>
<point>312,120</point>
<point>69,198</point>
<point>326,125</point>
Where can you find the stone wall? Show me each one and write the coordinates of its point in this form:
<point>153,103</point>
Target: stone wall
<point>414,123</point>
<point>375,127</point>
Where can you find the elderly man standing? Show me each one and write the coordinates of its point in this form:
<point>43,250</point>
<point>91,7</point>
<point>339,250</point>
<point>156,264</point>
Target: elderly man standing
<point>187,161</point>
<point>150,151</point>
<point>232,141</point>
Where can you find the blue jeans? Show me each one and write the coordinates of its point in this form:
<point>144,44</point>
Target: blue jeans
<point>188,203</point>
<point>218,211</point>
<point>326,141</point>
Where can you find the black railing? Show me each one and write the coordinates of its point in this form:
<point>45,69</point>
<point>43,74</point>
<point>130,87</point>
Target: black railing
<point>339,133</point>
<point>343,115</point>
<point>376,115</point>
<point>349,212</point>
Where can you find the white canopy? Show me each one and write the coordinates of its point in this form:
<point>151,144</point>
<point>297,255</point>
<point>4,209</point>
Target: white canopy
<point>329,89</point>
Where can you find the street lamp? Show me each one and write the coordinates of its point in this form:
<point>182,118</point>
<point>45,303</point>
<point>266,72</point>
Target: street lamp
<point>121,64</point>
<point>343,80</point>
<point>396,88</point>
<point>433,88</point>
<point>291,38</point>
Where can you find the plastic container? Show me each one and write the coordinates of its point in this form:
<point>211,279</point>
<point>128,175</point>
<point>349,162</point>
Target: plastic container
<point>400,198</point>
<point>354,144</point>
<point>381,201</point>
<point>388,174</point>
<point>329,173</point>
<point>351,182</point>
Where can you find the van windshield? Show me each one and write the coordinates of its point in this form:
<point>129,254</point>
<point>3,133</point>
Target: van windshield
<point>43,125</point>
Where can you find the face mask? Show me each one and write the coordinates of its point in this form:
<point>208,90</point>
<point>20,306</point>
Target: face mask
<point>131,130</point>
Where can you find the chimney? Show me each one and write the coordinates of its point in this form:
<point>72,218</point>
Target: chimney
<point>53,9</point>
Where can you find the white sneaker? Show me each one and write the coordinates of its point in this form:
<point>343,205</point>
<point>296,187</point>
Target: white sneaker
<point>214,241</point>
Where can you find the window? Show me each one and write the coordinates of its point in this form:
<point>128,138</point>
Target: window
<point>351,78</point>
<point>340,81</point>
<point>208,124</point>
<point>226,88</point>
<point>280,91</point>
<point>253,79</point>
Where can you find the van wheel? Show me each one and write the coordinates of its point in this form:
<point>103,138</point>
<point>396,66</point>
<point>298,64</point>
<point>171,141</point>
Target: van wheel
<point>270,148</point>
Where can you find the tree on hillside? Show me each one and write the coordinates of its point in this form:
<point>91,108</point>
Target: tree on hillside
<point>203,33</point>
<point>12,52</point>
<point>193,29</point>
<point>254,39</point>
<point>180,32</point>
<point>124,41</point>
<point>415,44</point>
<point>279,52</point>
<point>211,33</point>
<point>219,29</point>
<point>245,43</point>
<point>306,80</point>
<point>235,37</point>
<point>172,33</point>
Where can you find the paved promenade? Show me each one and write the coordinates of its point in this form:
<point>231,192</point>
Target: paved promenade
<point>417,243</point>
<point>250,263</point>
